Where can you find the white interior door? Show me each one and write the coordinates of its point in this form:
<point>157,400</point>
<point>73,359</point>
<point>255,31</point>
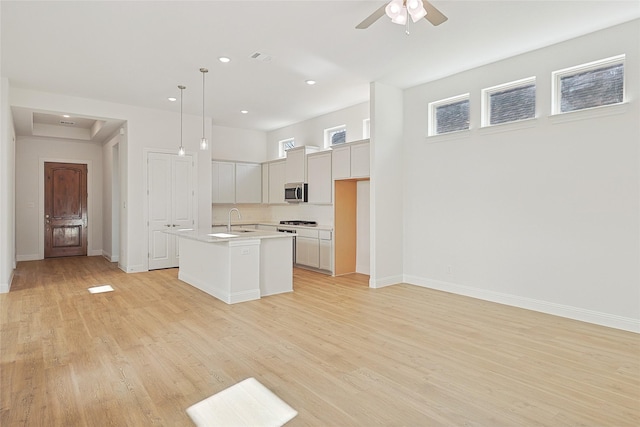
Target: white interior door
<point>182,206</point>
<point>170,197</point>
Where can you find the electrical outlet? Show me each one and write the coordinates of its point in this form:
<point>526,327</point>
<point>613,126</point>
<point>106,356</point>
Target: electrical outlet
<point>450,269</point>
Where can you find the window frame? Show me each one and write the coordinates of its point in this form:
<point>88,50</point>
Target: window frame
<point>282,152</point>
<point>433,107</point>
<point>486,93</point>
<point>328,133</point>
<point>556,77</point>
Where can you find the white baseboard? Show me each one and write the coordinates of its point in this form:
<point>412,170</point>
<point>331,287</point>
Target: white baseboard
<point>109,257</point>
<point>133,268</point>
<point>570,312</point>
<point>36,257</point>
<point>6,287</point>
<point>363,269</point>
<point>28,257</point>
<point>386,281</point>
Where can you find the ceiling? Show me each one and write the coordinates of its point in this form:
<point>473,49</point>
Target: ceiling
<point>138,52</point>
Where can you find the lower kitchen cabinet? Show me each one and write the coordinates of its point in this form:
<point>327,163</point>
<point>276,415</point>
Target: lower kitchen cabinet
<point>313,249</point>
<point>325,250</point>
<point>307,251</point>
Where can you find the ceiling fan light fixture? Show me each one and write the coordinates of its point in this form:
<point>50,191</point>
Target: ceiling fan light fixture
<point>394,8</point>
<point>401,18</point>
<point>413,4</point>
<point>418,14</point>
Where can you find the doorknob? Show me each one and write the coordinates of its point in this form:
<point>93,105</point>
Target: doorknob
<point>46,216</point>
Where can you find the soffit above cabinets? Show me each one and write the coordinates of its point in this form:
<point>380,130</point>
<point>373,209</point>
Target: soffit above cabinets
<point>48,124</point>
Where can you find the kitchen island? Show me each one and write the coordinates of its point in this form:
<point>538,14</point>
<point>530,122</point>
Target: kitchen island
<point>237,266</point>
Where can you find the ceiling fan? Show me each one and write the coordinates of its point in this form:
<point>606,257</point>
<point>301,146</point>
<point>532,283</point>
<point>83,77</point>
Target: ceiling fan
<point>400,10</point>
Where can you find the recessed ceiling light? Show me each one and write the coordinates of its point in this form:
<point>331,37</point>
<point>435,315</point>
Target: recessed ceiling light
<point>172,99</point>
<point>244,111</point>
<point>66,116</point>
<point>310,82</point>
<point>224,59</point>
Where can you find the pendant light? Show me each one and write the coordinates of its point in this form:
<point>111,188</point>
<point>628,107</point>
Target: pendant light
<point>204,144</point>
<point>181,149</point>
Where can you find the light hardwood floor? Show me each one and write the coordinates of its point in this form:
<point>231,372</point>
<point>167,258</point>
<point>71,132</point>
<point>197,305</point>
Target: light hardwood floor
<point>338,352</point>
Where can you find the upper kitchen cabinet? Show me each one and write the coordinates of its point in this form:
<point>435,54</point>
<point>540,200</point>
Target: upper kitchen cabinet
<point>296,169</point>
<point>277,177</point>
<point>236,182</point>
<point>319,177</point>
<point>223,182</point>
<point>265,183</point>
<point>351,160</point>
<point>248,183</point>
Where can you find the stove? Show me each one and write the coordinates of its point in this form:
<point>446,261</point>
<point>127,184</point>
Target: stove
<point>299,222</point>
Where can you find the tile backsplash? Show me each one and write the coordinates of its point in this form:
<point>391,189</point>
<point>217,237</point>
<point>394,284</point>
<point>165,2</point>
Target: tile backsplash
<point>322,214</point>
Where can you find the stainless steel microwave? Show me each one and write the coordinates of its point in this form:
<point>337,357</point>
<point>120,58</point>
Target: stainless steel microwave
<point>296,192</point>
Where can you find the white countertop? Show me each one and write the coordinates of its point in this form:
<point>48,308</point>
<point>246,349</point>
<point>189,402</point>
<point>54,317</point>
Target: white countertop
<point>237,233</point>
<point>275,224</point>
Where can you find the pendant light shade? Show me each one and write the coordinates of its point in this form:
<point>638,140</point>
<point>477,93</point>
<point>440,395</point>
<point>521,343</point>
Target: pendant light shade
<point>204,144</point>
<point>181,151</point>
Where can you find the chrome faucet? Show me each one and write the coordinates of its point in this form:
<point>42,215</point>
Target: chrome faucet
<point>229,223</point>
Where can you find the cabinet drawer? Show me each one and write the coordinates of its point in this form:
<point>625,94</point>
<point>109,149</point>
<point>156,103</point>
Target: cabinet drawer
<point>324,234</point>
<point>303,232</point>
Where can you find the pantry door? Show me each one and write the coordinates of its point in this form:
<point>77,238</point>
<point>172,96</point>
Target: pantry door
<point>170,190</point>
<point>65,209</point>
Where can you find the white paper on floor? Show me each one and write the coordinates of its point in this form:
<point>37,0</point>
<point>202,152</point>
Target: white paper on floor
<point>247,403</point>
<point>100,289</point>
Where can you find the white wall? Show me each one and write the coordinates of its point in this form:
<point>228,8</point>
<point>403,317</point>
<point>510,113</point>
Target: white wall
<point>238,144</point>
<point>363,232</point>
<point>542,215</point>
<point>111,199</point>
<point>386,186</point>
<point>145,129</point>
<point>7,190</point>
<point>31,153</point>
<point>311,132</point>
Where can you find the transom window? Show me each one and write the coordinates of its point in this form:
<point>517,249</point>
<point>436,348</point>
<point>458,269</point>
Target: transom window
<point>284,145</point>
<point>509,102</point>
<point>335,135</point>
<point>449,115</point>
<point>589,85</point>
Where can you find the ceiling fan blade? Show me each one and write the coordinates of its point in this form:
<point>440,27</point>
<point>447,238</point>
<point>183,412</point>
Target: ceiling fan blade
<point>372,18</point>
<point>433,15</point>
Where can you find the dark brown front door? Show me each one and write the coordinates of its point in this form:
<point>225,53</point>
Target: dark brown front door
<point>65,209</point>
